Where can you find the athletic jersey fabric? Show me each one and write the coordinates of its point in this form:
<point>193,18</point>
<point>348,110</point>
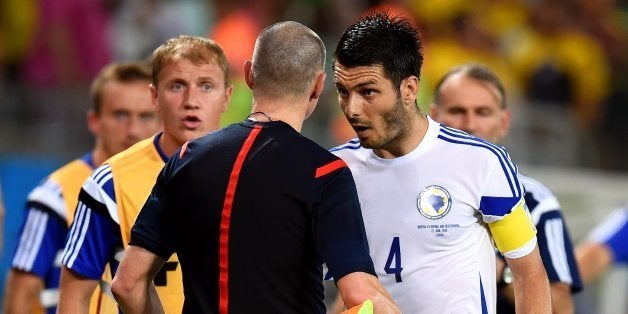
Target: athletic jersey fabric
<point>253,210</point>
<point>613,231</point>
<point>109,202</point>
<point>432,215</point>
<point>553,237</point>
<point>49,211</point>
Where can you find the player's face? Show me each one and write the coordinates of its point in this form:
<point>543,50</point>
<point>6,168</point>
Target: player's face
<point>371,105</point>
<point>190,98</point>
<point>472,106</point>
<point>127,116</point>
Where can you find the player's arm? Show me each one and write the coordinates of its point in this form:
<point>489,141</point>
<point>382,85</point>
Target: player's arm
<point>530,283</point>
<point>515,237</point>
<point>562,302</point>
<point>92,240</point>
<point>605,245</point>
<point>133,286</point>
<point>75,292</point>
<point>357,287</point>
<point>22,292</point>
<point>560,292</point>
<point>593,260</point>
<point>41,238</point>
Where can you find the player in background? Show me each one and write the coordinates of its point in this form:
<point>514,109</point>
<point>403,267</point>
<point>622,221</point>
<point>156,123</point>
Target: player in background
<point>121,115</point>
<point>189,91</point>
<point>471,98</point>
<point>605,246</point>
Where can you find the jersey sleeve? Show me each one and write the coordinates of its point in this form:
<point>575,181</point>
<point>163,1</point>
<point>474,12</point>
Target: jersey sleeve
<point>151,229</point>
<point>94,235</point>
<point>503,208</point>
<point>339,228</point>
<point>41,239</point>
<point>554,241</point>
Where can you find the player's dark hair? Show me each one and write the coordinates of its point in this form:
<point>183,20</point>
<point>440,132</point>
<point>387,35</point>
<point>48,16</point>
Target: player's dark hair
<point>381,39</point>
<point>117,72</point>
<point>476,72</point>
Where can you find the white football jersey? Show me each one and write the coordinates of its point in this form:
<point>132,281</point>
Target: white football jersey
<point>429,216</point>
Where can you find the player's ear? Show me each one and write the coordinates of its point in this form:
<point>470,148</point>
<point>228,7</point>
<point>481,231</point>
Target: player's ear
<point>92,122</point>
<point>408,90</point>
<point>228,93</point>
<point>153,97</point>
<point>506,118</point>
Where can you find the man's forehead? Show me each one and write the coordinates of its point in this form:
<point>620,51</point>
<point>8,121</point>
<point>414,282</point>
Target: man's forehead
<point>359,73</point>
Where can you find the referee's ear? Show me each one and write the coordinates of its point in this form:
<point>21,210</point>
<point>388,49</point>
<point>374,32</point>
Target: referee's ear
<point>248,73</point>
<point>319,84</point>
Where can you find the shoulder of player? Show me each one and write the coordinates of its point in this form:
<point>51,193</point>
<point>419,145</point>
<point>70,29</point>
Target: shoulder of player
<point>136,155</point>
<point>49,193</point>
<point>72,169</point>
<point>541,202</point>
<point>471,145</point>
<point>536,187</point>
<point>351,151</point>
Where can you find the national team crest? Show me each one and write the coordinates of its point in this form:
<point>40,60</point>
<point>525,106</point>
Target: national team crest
<point>434,202</point>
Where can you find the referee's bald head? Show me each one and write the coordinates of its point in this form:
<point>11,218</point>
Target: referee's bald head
<point>287,58</point>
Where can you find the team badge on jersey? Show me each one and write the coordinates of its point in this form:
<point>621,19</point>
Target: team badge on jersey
<point>434,202</point>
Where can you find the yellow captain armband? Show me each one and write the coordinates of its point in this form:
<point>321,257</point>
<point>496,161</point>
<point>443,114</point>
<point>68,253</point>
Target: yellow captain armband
<point>513,231</point>
<point>365,308</point>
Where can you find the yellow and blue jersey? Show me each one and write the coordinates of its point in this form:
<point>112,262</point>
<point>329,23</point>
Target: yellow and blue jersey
<point>50,210</point>
<point>109,202</point>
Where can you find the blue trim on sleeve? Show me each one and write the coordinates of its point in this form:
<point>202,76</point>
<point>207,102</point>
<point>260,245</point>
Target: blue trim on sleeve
<point>508,167</point>
<point>497,206</point>
<point>618,243</point>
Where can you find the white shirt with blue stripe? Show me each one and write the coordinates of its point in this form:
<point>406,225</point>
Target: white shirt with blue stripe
<point>427,213</point>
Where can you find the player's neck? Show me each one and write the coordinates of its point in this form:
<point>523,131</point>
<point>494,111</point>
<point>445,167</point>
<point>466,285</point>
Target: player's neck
<point>407,141</point>
<point>288,113</point>
<point>99,156</point>
<point>168,144</point>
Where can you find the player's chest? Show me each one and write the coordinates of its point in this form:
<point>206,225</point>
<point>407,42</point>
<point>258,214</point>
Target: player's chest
<point>418,200</point>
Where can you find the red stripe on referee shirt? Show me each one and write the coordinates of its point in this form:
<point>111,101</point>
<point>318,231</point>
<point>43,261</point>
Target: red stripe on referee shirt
<point>223,276</point>
<point>330,167</point>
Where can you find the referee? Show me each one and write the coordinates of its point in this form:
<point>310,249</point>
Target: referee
<point>254,209</point>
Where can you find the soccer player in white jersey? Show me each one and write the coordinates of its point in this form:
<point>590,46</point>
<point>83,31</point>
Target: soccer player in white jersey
<point>471,98</point>
<point>606,245</point>
<point>434,199</point>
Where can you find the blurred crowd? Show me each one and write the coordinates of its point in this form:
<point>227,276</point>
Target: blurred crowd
<point>564,63</point>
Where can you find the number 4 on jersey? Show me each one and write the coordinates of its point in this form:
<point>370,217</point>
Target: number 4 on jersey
<point>394,254</point>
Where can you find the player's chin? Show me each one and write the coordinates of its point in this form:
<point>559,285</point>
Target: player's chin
<point>192,133</point>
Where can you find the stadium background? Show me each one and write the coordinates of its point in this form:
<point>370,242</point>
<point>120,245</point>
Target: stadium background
<point>564,63</point>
